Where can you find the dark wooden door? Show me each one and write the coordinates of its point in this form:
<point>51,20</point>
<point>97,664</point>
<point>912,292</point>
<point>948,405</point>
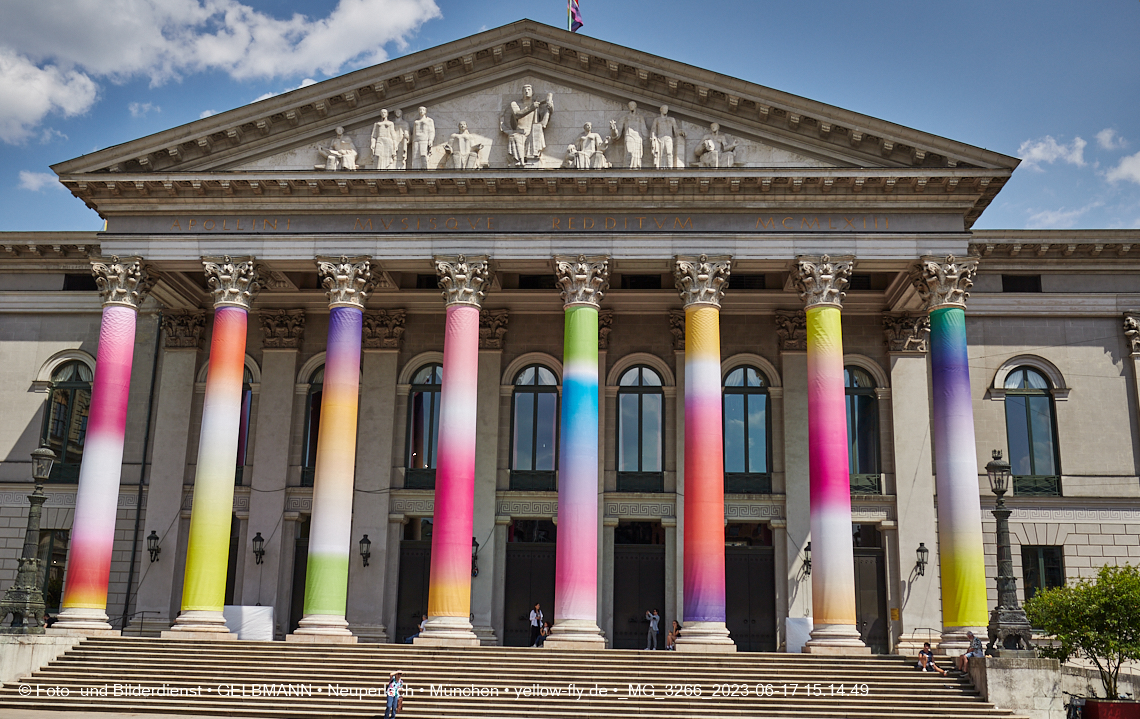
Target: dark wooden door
<point>529,580</point>
<point>412,599</point>
<point>871,599</point>
<point>750,597</point>
<point>300,570</point>
<point>639,585</point>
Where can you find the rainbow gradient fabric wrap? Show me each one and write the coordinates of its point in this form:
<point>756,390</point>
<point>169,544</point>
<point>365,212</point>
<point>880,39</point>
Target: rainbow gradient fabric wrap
<point>449,586</point>
<point>208,548</point>
<point>97,499</point>
<point>832,570</point>
<point>576,566</point>
<point>960,551</point>
<point>326,580</point>
<point>704,468</point>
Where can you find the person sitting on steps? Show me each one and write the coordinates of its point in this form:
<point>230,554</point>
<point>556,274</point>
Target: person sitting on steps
<point>926,661</point>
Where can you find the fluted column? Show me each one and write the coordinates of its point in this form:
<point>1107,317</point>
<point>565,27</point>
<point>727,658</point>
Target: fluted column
<point>943,285</point>
<point>347,283</point>
<point>820,282</point>
<point>462,280</point>
<point>123,285</point>
<point>701,282</point>
<point>583,281</point>
<point>233,284</point>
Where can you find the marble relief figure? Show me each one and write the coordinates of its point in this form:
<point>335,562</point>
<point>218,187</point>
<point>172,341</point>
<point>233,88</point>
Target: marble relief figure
<point>340,154</point>
<point>385,137</point>
<point>463,149</point>
<point>715,150</point>
<point>631,128</point>
<point>666,140</point>
<point>404,136</point>
<point>589,150</point>
<point>525,125</point>
<point>423,138</point>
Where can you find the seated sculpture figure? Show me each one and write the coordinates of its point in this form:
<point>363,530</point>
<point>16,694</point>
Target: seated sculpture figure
<point>590,150</point>
<point>714,149</point>
<point>463,149</point>
<point>340,154</point>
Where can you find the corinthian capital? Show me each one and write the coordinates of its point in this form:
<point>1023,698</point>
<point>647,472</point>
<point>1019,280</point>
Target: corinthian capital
<point>702,280</point>
<point>183,328</point>
<point>906,333</point>
<point>347,281</point>
<point>233,282</point>
<point>122,282</point>
<point>282,329</point>
<point>584,280</point>
<point>820,281</point>
<point>944,284</point>
<point>462,279</point>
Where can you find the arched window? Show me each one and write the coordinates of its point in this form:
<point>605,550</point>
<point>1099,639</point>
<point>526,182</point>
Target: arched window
<point>747,468</point>
<point>423,427</point>
<point>1031,431</point>
<point>65,420</point>
<point>243,423</point>
<point>534,429</point>
<point>641,431</point>
<point>312,427</point>
<point>862,431</point>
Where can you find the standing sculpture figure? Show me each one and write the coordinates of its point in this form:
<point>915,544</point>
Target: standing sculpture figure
<point>665,136</point>
<point>525,124</point>
<point>423,137</point>
<point>590,150</point>
<point>385,137</point>
<point>463,149</point>
<point>340,154</point>
<point>715,150</point>
<point>632,128</point>
<point>403,137</point>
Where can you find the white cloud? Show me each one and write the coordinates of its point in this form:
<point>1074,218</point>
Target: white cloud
<point>304,83</point>
<point>1047,149</point>
<point>206,113</point>
<point>1059,219</point>
<point>1127,169</point>
<point>1109,140</point>
<point>37,181</point>
<point>49,134</point>
<point>48,59</point>
<point>140,109</point>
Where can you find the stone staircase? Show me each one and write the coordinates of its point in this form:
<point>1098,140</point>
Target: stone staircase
<point>274,680</point>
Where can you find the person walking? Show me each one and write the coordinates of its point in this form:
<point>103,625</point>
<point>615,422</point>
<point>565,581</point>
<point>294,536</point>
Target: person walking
<point>394,692</point>
<point>535,624</point>
<point>654,620</point>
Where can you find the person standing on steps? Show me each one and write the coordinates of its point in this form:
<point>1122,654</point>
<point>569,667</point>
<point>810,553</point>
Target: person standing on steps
<point>654,620</point>
<point>535,624</point>
<point>394,692</point>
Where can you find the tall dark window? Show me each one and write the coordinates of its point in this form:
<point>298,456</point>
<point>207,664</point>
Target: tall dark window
<point>423,427</point>
<point>747,467</point>
<point>243,423</point>
<point>65,420</point>
<point>1042,568</point>
<point>641,431</point>
<point>534,429</point>
<point>312,427</point>
<point>52,552</point>
<point>862,431</point>
<point>1031,430</point>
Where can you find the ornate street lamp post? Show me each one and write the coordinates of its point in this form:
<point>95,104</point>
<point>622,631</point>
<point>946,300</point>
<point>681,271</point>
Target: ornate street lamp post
<point>1009,628</point>
<point>24,600</point>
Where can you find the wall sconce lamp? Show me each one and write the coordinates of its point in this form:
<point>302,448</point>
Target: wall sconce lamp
<point>474,557</point>
<point>365,549</point>
<point>152,545</point>
<point>807,560</point>
<point>923,555</point>
<point>258,548</point>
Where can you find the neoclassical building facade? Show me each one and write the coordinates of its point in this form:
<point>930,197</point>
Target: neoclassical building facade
<point>476,329</point>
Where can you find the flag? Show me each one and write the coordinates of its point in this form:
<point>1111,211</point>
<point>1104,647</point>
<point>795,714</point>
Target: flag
<point>573,15</point>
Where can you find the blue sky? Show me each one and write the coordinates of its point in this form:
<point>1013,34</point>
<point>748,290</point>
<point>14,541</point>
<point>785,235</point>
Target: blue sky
<point>1056,83</point>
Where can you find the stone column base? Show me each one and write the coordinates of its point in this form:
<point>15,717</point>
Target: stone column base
<point>68,632</point>
<point>82,619</point>
<point>487,636</point>
<point>705,638</point>
<point>318,628</point>
<point>199,624</point>
<point>836,639</point>
<point>370,633</point>
<point>575,634</point>
<point>447,632</point>
<point>954,641</point>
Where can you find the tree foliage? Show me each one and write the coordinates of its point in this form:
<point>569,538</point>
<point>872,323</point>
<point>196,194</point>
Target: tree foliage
<point>1098,620</point>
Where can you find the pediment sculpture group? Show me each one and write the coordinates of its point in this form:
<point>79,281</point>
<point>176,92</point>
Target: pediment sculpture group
<point>396,145</point>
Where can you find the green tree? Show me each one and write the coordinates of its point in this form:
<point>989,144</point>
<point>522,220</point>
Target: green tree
<point>1095,620</point>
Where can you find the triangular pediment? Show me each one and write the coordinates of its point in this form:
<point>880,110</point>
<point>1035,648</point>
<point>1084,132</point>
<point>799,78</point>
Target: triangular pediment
<point>476,79</point>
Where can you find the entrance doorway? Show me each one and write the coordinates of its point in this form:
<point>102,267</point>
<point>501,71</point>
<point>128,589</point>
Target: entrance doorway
<point>529,577</point>
<point>750,587</point>
<point>300,569</point>
<point>870,588</point>
<point>415,572</point>
<point>639,582</point>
